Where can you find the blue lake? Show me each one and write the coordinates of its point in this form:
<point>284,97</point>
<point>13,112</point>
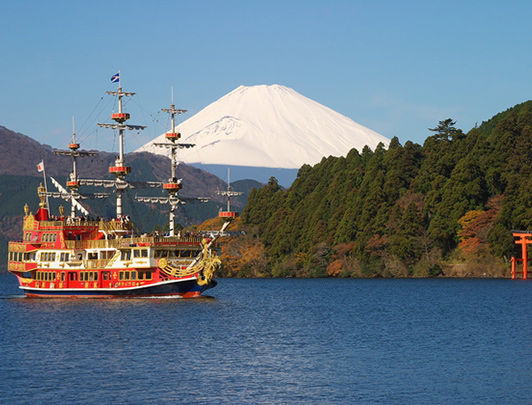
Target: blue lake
<point>275,341</point>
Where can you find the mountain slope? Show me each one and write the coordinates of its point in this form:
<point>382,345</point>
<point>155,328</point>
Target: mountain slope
<point>447,207</point>
<point>268,126</point>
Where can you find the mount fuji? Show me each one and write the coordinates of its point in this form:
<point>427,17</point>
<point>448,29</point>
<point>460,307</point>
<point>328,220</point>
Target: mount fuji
<point>268,127</point>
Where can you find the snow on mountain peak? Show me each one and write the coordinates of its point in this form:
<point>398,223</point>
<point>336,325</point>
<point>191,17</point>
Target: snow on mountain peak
<point>268,126</point>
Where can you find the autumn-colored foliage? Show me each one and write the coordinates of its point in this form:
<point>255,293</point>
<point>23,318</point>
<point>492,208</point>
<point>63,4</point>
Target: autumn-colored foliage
<point>244,256</point>
<point>476,226</point>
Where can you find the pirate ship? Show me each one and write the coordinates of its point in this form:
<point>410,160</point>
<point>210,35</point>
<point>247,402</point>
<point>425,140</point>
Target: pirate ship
<point>76,256</point>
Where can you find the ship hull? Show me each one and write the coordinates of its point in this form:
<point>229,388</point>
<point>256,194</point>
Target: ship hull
<point>184,289</point>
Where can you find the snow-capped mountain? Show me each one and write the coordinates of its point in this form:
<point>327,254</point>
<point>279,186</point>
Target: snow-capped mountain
<point>268,126</point>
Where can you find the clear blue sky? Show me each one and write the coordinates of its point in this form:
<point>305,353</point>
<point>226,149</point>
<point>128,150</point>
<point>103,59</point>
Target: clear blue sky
<point>397,67</point>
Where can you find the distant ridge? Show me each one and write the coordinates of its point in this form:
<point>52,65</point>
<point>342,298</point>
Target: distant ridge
<point>268,126</point>
<point>20,154</point>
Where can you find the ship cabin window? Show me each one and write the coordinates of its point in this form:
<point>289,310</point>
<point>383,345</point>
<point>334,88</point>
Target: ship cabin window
<point>92,256</point>
<point>63,276</point>
<point>45,276</point>
<point>73,276</point>
<point>161,253</point>
<point>140,253</point>
<point>106,254</point>
<point>88,276</point>
<point>49,237</point>
<point>125,255</point>
<point>64,257</point>
<point>132,275</point>
<point>166,253</point>
<point>48,256</point>
<point>144,275</point>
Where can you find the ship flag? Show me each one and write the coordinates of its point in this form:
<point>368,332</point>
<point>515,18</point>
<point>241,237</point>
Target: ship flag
<point>115,78</point>
<point>40,166</point>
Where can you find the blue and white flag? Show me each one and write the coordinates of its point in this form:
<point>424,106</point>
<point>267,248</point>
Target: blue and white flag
<point>115,78</point>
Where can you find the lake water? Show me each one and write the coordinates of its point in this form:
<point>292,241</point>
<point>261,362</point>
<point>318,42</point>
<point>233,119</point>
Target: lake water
<point>275,341</point>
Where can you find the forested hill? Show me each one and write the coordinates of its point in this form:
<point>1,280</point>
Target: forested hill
<point>446,207</point>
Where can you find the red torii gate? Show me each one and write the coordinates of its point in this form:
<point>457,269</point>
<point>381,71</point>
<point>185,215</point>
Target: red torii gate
<point>522,238</point>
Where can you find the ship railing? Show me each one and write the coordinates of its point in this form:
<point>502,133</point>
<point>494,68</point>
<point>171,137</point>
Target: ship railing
<point>69,222</point>
<point>110,226</point>
<point>96,264</point>
<point>79,222</point>
<point>129,242</point>
<point>93,244</point>
<point>107,226</point>
<point>162,240</point>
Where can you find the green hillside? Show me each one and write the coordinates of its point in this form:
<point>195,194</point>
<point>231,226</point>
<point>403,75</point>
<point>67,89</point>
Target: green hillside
<point>446,207</point>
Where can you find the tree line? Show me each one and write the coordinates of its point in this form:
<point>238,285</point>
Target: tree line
<point>446,207</point>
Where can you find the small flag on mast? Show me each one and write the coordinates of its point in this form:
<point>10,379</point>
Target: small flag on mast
<point>115,78</point>
<point>40,166</point>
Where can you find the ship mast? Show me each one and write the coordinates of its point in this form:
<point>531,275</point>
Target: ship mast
<point>173,137</point>
<point>229,193</point>
<point>73,184</point>
<point>174,184</point>
<point>120,170</point>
